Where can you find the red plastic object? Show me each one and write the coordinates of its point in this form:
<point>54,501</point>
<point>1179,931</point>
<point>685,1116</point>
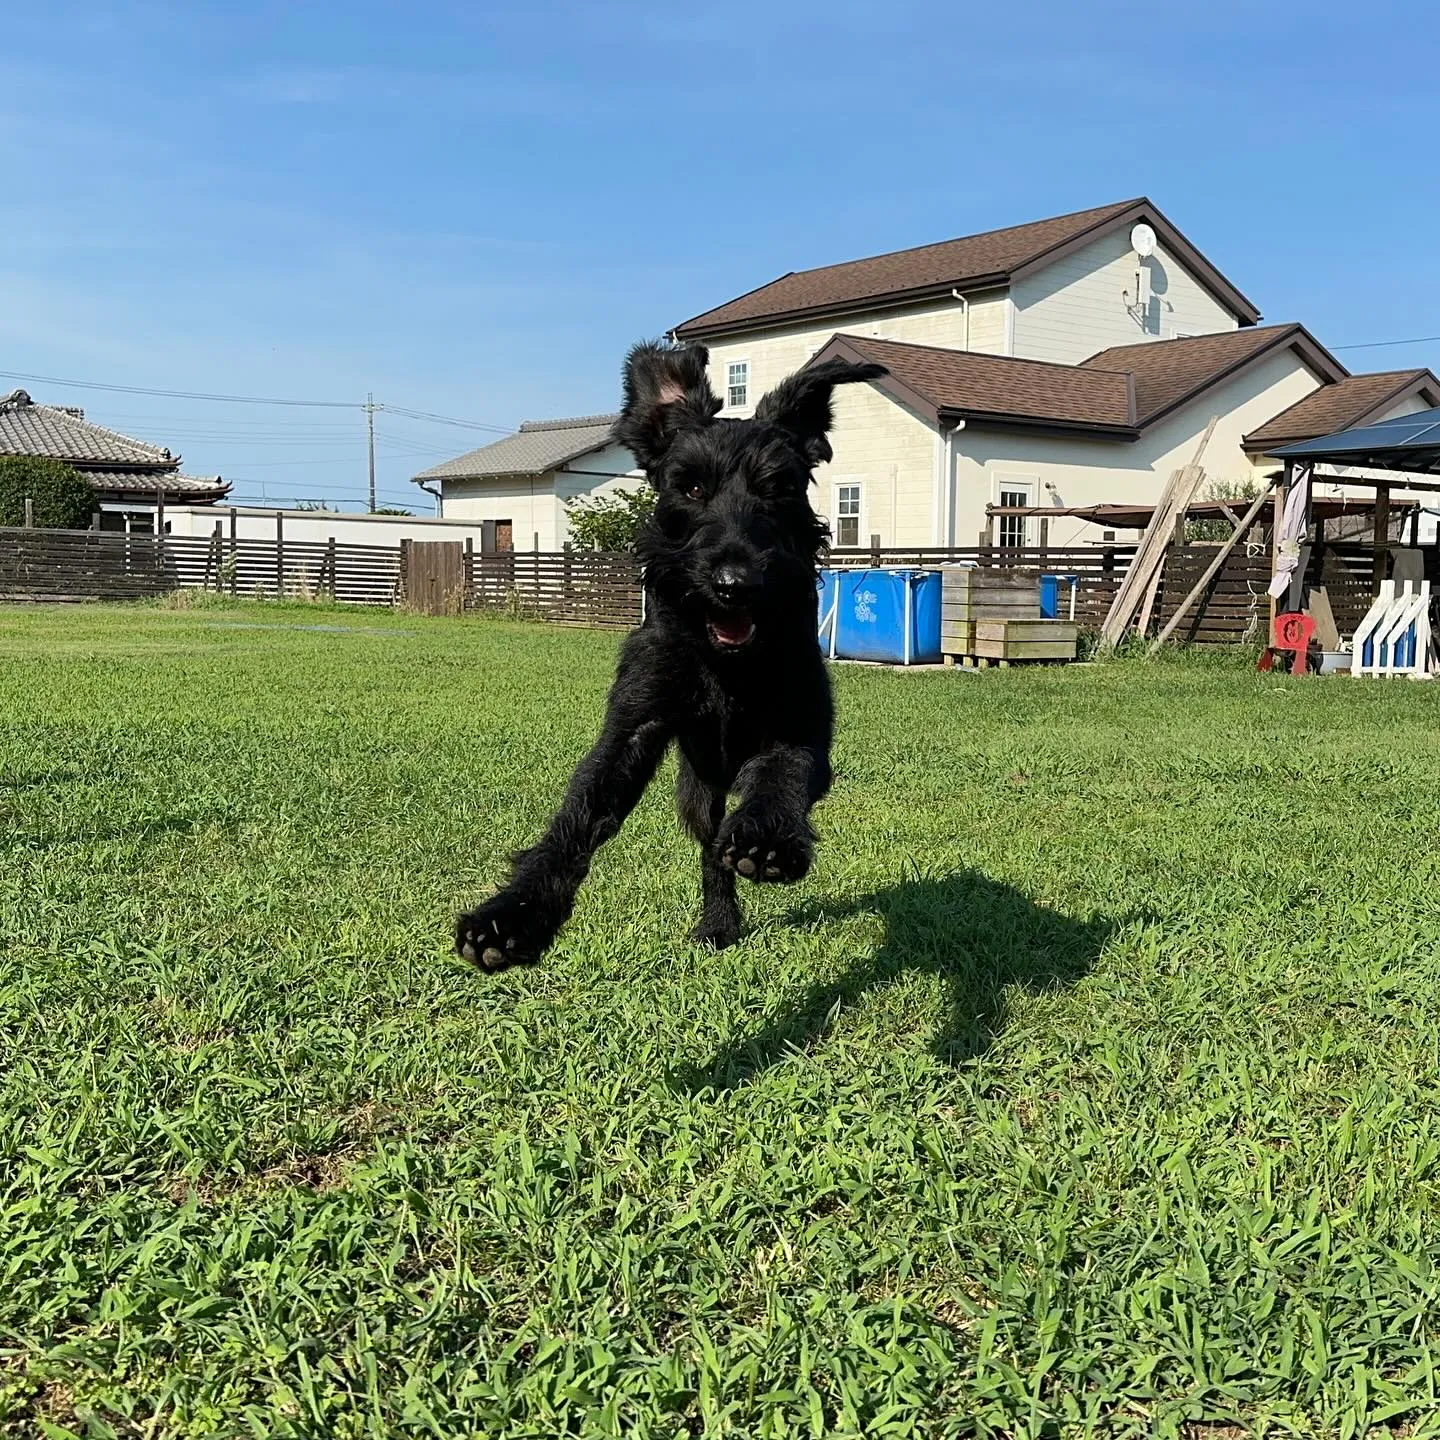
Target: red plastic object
<point>1293,633</point>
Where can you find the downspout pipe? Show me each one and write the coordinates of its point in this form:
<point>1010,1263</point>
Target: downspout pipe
<point>437,495</point>
<point>964,310</point>
<point>947,488</point>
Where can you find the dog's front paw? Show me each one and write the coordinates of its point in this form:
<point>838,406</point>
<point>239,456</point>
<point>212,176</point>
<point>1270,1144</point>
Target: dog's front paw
<point>764,845</point>
<point>504,931</point>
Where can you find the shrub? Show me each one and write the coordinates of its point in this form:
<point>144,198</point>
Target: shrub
<point>609,522</point>
<point>63,498</point>
<point>1240,491</point>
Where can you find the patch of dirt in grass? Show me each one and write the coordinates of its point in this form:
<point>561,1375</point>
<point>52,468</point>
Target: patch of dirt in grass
<point>320,1172</point>
<point>26,1401</point>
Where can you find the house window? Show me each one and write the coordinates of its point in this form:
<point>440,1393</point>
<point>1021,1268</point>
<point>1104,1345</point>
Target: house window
<point>847,516</point>
<point>1012,527</point>
<point>737,384</point>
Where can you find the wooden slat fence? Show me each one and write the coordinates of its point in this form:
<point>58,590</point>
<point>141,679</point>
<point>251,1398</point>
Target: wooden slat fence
<point>603,590</point>
<point>101,565</point>
<point>569,587</point>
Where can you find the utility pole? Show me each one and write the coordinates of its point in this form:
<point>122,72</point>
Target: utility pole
<point>370,426</point>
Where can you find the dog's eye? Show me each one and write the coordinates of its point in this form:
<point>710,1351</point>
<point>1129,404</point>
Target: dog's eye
<point>695,492</point>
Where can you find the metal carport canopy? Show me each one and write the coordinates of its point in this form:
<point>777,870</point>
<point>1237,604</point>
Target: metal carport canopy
<point>1409,443</point>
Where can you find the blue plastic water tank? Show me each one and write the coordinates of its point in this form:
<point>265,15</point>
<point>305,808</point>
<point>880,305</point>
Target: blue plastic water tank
<point>874,609</point>
<point>1050,595</point>
<point>829,585</point>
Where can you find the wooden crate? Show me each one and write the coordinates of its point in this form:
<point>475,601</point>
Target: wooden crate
<point>1030,639</point>
<point>957,637</point>
<point>969,594</point>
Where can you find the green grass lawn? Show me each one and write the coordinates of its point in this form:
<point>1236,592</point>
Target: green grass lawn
<point>1089,1085</point>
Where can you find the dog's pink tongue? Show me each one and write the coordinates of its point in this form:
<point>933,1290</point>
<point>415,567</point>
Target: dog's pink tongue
<point>732,629</point>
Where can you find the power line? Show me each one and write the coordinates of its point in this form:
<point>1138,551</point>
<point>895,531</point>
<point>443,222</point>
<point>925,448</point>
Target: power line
<point>447,420</point>
<point>1384,344</point>
<point>181,394</point>
<point>363,405</point>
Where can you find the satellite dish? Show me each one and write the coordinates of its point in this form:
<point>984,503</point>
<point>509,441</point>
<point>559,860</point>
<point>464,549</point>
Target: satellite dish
<point>1142,240</point>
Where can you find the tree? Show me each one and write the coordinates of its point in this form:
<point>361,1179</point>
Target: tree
<point>609,522</point>
<point>62,498</point>
<point>391,510</point>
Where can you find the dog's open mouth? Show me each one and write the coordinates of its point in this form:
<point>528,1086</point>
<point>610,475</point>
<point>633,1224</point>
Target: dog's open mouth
<point>730,629</point>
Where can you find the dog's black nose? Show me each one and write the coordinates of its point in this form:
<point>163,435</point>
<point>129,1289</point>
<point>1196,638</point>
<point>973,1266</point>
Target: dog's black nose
<point>732,583</point>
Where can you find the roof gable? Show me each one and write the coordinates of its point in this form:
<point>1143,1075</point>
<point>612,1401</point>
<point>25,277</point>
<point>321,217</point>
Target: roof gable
<point>1354,401</point>
<point>1169,373</point>
<point>537,446</point>
<point>944,383</point>
<point>1118,393</point>
<point>992,258</point>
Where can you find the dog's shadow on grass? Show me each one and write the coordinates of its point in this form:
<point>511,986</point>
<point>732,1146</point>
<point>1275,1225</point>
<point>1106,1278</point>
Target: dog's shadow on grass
<point>980,936</point>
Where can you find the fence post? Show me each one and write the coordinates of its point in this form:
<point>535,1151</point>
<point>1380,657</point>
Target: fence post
<point>157,552</point>
<point>234,555</point>
<point>467,580</point>
<point>330,562</point>
<point>405,571</point>
<point>280,554</point>
<point>29,513</point>
<point>214,554</point>
<point>95,519</point>
<point>1380,536</point>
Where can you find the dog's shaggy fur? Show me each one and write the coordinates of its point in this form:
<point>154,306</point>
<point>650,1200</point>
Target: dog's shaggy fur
<point>726,664</point>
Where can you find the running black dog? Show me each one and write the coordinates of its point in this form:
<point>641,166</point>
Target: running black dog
<point>726,664</point>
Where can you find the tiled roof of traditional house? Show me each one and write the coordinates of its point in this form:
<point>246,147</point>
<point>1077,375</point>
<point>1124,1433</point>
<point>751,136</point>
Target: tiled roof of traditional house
<point>538,446</point>
<point>109,460</point>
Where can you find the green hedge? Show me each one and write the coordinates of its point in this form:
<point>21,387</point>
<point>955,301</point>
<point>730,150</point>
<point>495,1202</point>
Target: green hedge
<point>63,498</point>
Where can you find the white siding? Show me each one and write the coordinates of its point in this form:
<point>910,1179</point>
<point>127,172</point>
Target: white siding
<point>1092,472</point>
<point>891,452</point>
<point>603,473</point>
<point>1070,310</point>
<point>534,505</point>
<point>774,354</point>
<point>1411,405</point>
<point>527,502</point>
<point>254,522</point>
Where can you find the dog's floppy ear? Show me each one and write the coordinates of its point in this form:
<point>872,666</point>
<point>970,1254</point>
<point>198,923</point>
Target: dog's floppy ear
<point>801,404</point>
<point>666,391</point>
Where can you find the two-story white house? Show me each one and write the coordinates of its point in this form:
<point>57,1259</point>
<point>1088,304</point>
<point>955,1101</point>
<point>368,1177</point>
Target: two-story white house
<point>1068,362</point>
<point>1073,361</point>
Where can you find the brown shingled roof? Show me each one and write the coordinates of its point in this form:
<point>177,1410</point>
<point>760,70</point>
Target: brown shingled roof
<point>992,258</point>
<point>1118,392</point>
<point>1337,407</point>
<point>995,386</point>
<point>1170,372</point>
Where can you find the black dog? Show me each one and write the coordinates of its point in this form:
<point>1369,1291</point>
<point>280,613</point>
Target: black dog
<point>727,662</point>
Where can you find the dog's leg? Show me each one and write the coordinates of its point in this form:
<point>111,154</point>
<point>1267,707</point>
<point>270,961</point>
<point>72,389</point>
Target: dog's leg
<point>767,837</point>
<point>702,808</point>
<point>515,926</point>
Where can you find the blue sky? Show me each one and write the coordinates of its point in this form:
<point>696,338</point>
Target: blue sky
<point>473,209</point>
